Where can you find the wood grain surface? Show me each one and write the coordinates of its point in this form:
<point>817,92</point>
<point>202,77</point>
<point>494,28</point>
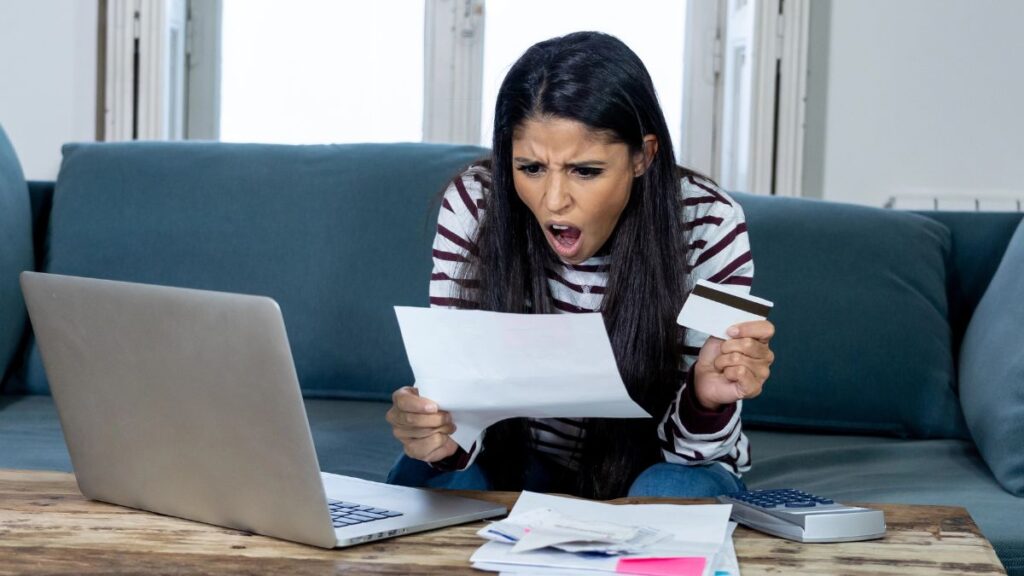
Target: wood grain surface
<point>48,527</point>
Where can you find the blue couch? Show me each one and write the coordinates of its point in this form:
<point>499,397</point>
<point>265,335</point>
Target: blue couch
<point>871,305</point>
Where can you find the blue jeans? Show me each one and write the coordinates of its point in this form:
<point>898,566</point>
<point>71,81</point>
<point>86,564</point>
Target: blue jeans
<point>678,481</point>
<point>662,479</point>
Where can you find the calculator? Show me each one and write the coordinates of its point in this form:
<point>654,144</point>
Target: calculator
<point>797,515</point>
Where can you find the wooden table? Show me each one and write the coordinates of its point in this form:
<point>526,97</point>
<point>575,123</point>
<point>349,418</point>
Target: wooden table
<point>48,527</point>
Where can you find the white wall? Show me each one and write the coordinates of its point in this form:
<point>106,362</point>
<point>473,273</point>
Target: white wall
<point>916,97</point>
<point>47,78</point>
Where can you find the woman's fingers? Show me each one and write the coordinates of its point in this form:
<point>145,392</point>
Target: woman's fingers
<point>413,420</point>
<point>412,410</point>
<point>748,347</point>
<point>421,427</point>
<point>756,366</point>
<point>762,330</point>
<point>401,419</point>
<point>432,448</point>
<point>405,433</point>
<point>748,383</point>
<point>408,399</point>
<point>736,368</point>
<point>447,449</point>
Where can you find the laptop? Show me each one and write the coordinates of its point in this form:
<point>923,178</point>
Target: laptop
<point>186,403</point>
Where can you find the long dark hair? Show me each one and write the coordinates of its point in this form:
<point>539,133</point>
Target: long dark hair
<point>595,79</point>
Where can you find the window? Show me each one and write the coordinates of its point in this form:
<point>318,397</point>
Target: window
<point>312,71</point>
<point>319,71</point>
<point>651,28</point>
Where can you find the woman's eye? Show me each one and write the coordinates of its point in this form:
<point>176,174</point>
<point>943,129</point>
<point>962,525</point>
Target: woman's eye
<point>530,169</point>
<point>587,172</point>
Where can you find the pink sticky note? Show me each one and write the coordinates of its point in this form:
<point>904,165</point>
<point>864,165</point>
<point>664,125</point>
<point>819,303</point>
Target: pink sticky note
<point>661,566</point>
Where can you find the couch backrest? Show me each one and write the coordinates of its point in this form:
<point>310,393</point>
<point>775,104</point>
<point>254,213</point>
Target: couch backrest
<point>16,253</point>
<point>336,234</point>
<point>979,240</point>
<point>339,234</point>
<point>863,341</point>
<point>871,307</point>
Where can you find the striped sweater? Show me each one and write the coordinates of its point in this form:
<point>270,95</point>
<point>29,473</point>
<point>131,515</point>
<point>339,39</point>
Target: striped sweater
<point>719,252</point>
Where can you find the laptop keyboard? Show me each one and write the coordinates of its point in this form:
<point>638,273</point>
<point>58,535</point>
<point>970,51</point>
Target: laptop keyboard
<point>349,513</point>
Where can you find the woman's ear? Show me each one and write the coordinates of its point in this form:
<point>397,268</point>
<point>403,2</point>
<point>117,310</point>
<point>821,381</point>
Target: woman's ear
<point>642,160</point>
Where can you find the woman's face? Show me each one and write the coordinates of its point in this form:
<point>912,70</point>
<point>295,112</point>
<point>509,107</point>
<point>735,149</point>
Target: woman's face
<point>575,181</point>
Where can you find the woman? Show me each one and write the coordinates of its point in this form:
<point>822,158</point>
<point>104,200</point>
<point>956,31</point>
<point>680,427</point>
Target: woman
<point>581,208</point>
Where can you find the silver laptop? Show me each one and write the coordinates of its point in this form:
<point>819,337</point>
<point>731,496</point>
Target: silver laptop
<point>186,403</point>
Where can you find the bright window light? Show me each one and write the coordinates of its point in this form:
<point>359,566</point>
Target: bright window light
<point>320,71</point>
<point>651,28</point>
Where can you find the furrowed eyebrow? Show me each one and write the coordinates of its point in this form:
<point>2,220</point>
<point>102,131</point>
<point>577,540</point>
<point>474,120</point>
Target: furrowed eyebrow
<point>580,164</point>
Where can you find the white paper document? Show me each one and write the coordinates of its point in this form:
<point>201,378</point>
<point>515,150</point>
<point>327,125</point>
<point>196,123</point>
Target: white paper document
<point>725,563</point>
<point>544,527</point>
<point>484,367</point>
<point>698,544</point>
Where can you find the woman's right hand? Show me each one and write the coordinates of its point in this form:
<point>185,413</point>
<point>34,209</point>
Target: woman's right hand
<point>422,428</point>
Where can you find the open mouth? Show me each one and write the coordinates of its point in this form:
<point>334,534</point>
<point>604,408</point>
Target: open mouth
<point>565,239</point>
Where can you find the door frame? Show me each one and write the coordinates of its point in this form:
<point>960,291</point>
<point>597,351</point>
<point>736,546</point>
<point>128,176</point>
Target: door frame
<point>145,76</point>
<point>453,71</point>
<point>779,93</point>
<point>792,100</point>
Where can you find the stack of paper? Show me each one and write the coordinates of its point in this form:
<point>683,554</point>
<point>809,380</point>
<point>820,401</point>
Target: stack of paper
<point>549,535</point>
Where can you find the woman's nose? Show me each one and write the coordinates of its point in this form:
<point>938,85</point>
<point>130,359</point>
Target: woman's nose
<point>556,197</point>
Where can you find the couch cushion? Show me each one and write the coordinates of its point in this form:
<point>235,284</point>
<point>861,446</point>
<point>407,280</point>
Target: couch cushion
<point>336,234</point>
<point>30,434</point>
<point>352,437</point>
<point>863,340</point>
<point>16,254</point>
<point>871,469</point>
<point>992,370</point>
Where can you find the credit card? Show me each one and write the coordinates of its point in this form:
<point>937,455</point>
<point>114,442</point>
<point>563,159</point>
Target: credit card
<point>712,308</point>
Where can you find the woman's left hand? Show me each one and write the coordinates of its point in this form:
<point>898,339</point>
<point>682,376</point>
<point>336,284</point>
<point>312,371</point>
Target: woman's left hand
<point>734,369</point>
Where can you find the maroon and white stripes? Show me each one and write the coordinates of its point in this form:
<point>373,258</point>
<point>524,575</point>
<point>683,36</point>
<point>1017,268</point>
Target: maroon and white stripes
<point>719,251</point>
